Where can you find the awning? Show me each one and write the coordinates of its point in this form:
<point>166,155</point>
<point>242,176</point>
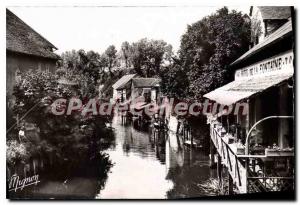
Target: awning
<point>242,89</point>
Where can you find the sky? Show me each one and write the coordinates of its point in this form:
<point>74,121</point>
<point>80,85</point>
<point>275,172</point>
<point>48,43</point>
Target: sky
<point>95,28</point>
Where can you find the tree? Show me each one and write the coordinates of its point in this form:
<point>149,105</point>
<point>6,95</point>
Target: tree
<point>174,81</point>
<point>125,53</point>
<point>81,61</point>
<point>62,135</point>
<point>111,56</point>
<point>209,46</point>
<point>69,59</point>
<point>147,56</point>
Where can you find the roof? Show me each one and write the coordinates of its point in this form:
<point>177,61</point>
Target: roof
<point>281,32</point>
<point>22,38</point>
<point>242,89</point>
<point>145,82</point>
<point>123,81</point>
<point>275,12</point>
<point>66,82</point>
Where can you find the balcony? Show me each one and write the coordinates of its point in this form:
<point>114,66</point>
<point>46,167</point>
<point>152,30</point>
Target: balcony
<point>265,169</point>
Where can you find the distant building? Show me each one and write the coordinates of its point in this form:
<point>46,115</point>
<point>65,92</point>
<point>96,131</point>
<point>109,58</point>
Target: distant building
<point>121,88</point>
<point>146,87</point>
<point>145,91</point>
<point>25,49</point>
<point>131,86</point>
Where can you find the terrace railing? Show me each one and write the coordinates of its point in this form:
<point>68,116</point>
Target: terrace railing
<point>248,172</point>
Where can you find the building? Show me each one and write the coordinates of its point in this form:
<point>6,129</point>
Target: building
<point>131,86</point>
<point>257,146</point>
<point>25,49</point>
<point>267,19</point>
<point>122,87</point>
<point>137,94</point>
<point>146,87</point>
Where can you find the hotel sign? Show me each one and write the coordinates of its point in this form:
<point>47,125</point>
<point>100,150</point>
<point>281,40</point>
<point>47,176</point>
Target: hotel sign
<point>282,63</point>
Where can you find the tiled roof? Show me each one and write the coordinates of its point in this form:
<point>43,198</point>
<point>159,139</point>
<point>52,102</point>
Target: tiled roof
<point>278,34</point>
<point>275,12</point>
<point>145,82</point>
<point>67,82</point>
<point>243,89</point>
<point>22,38</point>
<point>123,81</point>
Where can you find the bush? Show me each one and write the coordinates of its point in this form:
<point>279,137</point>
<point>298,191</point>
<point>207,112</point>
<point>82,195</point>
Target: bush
<point>16,152</point>
<point>62,135</point>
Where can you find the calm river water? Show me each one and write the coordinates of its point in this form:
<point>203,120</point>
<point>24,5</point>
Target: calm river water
<point>145,167</point>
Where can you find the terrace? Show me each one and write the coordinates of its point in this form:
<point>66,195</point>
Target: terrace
<point>254,170</point>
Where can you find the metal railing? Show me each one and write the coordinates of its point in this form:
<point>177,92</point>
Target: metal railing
<point>239,168</point>
<point>258,122</point>
<point>235,165</point>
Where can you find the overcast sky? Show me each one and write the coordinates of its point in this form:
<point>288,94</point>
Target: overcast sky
<point>95,28</point>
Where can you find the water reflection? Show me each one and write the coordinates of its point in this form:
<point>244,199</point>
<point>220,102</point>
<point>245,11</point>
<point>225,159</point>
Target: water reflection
<point>151,167</point>
<point>137,172</point>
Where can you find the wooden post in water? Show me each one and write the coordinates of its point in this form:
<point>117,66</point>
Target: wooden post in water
<point>34,166</point>
<point>212,151</point>
<point>184,134</point>
<point>187,134</point>
<point>219,170</point>
<point>24,170</point>
<point>230,185</point>
<point>140,122</point>
<point>192,138</point>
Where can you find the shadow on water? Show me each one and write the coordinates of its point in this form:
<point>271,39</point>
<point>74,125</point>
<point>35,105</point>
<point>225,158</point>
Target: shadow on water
<point>135,164</point>
<point>78,177</point>
<point>59,183</point>
<point>155,167</point>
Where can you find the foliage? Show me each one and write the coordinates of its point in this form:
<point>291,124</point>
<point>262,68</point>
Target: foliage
<point>147,56</point>
<point>144,57</point>
<point>32,88</point>
<point>88,63</point>
<point>108,81</point>
<point>62,135</point>
<point>207,49</point>
<point>125,53</point>
<point>111,55</point>
<point>83,68</point>
<point>15,152</point>
<point>91,70</point>
<point>174,81</point>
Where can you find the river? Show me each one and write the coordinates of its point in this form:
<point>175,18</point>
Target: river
<point>145,167</point>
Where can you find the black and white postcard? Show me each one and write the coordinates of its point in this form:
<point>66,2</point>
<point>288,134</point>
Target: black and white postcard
<point>150,102</point>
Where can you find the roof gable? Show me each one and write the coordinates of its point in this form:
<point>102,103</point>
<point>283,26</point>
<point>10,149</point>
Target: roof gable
<point>275,12</point>
<point>280,33</point>
<point>23,39</point>
<point>122,81</point>
<point>145,82</point>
